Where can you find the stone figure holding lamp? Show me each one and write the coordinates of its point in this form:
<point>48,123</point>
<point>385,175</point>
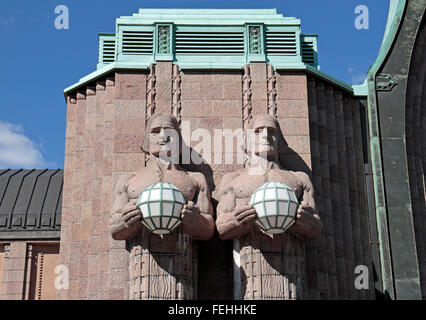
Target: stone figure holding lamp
<point>272,265</point>
<point>173,262</point>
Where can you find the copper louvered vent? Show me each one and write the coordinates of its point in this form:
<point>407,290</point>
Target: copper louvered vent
<point>281,43</point>
<point>137,42</point>
<point>108,52</point>
<point>214,43</point>
<point>308,52</point>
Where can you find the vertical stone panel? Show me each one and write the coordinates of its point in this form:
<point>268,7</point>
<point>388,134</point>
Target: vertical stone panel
<point>335,193</point>
<point>127,130</point>
<point>346,218</point>
<point>259,88</point>
<point>211,100</point>
<point>293,116</point>
<point>79,187</point>
<point>327,216</point>
<point>352,172</point>
<point>163,87</point>
<point>315,254</point>
<point>363,221</point>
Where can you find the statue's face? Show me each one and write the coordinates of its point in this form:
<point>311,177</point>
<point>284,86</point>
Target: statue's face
<point>163,137</point>
<point>265,138</point>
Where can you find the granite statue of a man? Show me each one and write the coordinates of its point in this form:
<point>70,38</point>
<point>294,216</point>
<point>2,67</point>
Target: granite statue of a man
<point>272,267</point>
<point>161,267</point>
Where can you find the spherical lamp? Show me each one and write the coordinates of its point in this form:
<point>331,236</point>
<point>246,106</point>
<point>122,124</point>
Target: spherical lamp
<point>276,207</point>
<point>161,205</point>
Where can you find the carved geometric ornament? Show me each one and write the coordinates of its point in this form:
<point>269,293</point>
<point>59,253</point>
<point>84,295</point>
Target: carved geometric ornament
<point>161,205</point>
<point>276,206</point>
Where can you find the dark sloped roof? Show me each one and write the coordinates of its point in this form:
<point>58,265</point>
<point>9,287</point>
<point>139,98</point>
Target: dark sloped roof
<point>30,203</point>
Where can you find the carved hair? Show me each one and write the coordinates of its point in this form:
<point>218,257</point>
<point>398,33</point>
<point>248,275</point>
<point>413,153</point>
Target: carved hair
<point>145,140</point>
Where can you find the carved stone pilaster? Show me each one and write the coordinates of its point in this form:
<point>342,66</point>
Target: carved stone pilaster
<point>29,265</point>
<point>176,94</point>
<point>247,104</point>
<point>150,92</point>
<point>272,92</point>
<point>150,97</point>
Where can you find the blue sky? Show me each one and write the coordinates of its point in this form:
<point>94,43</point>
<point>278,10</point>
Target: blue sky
<point>37,61</point>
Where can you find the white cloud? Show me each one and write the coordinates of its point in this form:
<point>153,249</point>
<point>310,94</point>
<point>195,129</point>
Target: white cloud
<point>357,77</point>
<point>17,150</point>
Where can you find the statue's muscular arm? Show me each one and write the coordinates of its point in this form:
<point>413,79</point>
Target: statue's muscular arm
<point>126,218</point>
<point>232,221</point>
<point>197,215</point>
<point>308,224</point>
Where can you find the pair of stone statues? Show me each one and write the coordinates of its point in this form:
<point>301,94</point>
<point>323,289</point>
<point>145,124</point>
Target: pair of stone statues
<point>235,217</point>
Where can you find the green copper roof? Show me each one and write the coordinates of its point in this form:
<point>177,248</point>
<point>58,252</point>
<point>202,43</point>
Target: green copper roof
<point>207,39</point>
<point>208,16</point>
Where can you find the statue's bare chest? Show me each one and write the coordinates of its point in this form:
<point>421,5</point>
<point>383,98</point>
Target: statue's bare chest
<point>145,178</point>
<point>245,184</point>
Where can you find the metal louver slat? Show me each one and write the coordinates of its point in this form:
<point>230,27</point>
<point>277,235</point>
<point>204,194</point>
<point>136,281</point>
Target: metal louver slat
<point>108,51</point>
<point>308,55</point>
<point>137,42</point>
<point>210,42</point>
<point>281,43</point>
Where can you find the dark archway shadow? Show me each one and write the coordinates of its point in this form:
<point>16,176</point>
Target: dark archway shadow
<point>214,281</point>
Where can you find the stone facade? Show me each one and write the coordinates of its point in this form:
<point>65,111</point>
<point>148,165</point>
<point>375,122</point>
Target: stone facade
<point>105,126</point>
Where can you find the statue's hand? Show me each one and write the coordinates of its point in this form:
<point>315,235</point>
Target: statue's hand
<point>307,225</point>
<point>190,213</point>
<point>230,225</point>
<point>131,214</point>
<point>244,214</point>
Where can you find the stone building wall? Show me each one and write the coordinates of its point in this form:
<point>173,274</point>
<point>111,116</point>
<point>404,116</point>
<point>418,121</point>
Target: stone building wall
<point>105,126</point>
<point>105,123</point>
<point>338,177</point>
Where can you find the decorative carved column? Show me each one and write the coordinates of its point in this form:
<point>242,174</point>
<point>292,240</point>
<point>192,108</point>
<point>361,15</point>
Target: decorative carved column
<point>150,92</point>
<point>272,92</point>
<point>176,93</point>
<point>247,105</point>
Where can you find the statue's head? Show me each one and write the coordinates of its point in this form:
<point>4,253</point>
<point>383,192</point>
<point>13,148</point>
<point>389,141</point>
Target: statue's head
<point>264,137</point>
<point>162,137</point>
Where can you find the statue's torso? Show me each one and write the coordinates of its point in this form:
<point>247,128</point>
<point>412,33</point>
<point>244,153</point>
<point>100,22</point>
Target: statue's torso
<point>245,184</point>
<point>147,176</point>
